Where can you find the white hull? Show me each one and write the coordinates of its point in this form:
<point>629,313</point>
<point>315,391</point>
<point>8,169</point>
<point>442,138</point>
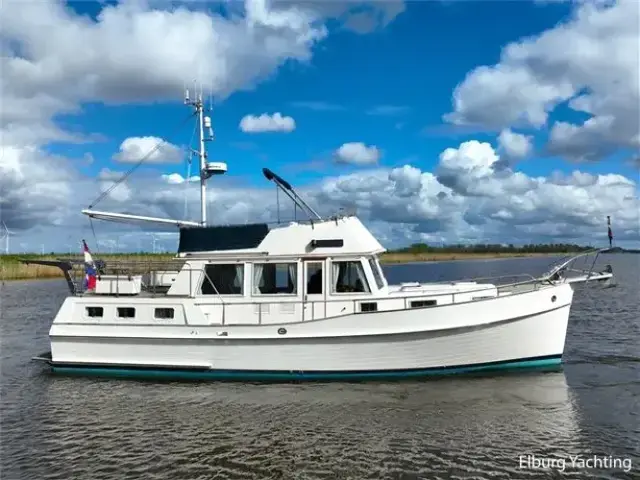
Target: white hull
<point>530,331</point>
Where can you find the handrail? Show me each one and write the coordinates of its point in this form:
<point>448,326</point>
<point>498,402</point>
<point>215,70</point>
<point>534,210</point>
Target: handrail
<point>149,267</point>
<point>497,277</point>
<point>564,264</point>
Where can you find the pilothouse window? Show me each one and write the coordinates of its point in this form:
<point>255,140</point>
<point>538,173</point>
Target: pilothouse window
<point>223,279</point>
<point>349,277</point>
<point>376,273</point>
<point>275,278</point>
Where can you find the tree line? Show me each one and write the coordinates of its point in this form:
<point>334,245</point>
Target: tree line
<point>494,248</point>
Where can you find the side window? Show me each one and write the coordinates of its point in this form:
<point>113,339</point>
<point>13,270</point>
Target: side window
<point>223,279</point>
<point>348,277</point>
<point>314,278</point>
<point>95,311</point>
<point>126,312</point>
<point>164,313</point>
<point>376,273</point>
<point>275,278</point>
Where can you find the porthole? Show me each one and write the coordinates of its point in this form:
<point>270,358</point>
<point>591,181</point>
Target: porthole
<point>553,299</point>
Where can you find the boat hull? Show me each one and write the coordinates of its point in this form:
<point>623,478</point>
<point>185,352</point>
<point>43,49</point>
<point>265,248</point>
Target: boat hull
<point>550,362</point>
<point>534,341</point>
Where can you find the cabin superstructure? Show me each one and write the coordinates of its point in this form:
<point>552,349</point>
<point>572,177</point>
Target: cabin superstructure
<point>256,275</point>
<point>277,262</point>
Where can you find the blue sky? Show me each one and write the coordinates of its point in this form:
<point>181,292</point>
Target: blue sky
<point>413,64</point>
<point>387,87</point>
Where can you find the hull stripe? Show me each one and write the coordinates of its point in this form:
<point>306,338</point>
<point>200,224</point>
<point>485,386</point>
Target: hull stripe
<point>158,373</point>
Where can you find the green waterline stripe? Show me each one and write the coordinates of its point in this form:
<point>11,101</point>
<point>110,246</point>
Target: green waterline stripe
<point>274,375</point>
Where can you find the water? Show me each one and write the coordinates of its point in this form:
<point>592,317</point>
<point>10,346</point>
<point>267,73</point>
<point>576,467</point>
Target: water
<point>82,428</point>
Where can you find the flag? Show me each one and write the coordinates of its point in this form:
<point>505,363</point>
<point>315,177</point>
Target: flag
<point>89,268</point>
<point>609,232</point>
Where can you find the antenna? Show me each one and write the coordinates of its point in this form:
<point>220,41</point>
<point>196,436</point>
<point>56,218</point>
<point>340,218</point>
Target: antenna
<point>186,187</point>
<point>207,169</point>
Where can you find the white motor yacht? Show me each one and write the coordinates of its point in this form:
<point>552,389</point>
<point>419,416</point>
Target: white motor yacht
<point>305,300</point>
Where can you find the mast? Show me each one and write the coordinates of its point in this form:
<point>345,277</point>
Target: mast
<point>202,155</point>
<point>207,169</point>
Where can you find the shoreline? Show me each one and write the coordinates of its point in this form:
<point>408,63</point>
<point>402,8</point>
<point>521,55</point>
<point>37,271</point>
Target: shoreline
<point>15,271</point>
<point>403,258</point>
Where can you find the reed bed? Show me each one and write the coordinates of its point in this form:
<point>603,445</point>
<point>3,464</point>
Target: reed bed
<point>11,268</point>
<point>409,257</point>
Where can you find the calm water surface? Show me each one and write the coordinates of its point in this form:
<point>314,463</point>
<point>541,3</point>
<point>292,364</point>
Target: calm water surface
<point>82,428</point>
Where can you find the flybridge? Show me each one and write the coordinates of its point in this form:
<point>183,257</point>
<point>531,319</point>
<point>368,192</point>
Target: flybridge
<point>216,238</point>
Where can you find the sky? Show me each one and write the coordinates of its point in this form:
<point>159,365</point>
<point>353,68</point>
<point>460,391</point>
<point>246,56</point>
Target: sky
<point>440,121</point>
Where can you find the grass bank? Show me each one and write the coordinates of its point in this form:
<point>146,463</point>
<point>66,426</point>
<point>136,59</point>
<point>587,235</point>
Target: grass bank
<point>12,269</point>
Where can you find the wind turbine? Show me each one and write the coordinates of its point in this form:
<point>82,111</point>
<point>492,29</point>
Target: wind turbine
<point>153,240</point>
<point>7,233</point>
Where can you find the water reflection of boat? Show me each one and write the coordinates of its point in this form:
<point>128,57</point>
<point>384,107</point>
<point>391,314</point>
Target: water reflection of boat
<point>478,426</point>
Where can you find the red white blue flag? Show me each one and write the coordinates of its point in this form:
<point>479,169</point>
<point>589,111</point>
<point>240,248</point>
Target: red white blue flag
<point>89,268</point>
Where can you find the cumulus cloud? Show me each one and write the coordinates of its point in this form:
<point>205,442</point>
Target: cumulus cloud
<point>267,123</point>
<point>177,179</point>
<point>357,153</point>
<point>134,52</point>
<point>35,187</point>
<point>592,62</point>
<point>464,199</point>
<point>152,149</point>
<point>469,198</point>
<point>55,60</point>
<point>514,146</point>
<point>109,175</point>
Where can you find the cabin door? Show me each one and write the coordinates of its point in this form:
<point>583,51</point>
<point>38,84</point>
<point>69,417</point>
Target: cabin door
<point>314,290</point>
